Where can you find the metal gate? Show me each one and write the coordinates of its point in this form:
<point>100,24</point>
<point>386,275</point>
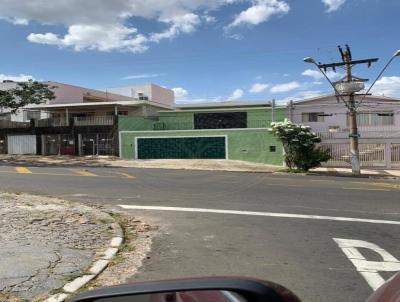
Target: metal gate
<point>371,155</point>
<point>181,148</point>
<point>21,144</point>
<point>58,144</point>
<point>395,155</point>
<point>97,144</point>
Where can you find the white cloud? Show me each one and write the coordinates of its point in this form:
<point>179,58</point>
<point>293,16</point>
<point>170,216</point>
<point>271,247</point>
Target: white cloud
<point>105,25</point>
<point>317,75</point>
<point>16,21</point>
<point>286,87</point>
<point>180,93</point>
<point>142,76</point>
<point>16,78</point>
<point>388,86</point>
<point>333,5</point>
<point>179,24</point>
<point>261,11</point>
<point>258,88</point>
<point>237,94</point>
<point>97,37</point>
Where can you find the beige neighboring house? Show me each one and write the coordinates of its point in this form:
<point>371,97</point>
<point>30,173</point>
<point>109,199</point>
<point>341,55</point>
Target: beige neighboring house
<point>79,121</point>
<point>378,124</point>
<point>89,106</point>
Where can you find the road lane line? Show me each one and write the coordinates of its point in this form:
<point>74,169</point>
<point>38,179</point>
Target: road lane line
<point>23,170</point>
<point>126,175</point>
<point>366,189</point>
<point>283,185</point>
<point>84,173</point>
<point>368,269</point>
<point>265,214</point>
<point>380,184</point>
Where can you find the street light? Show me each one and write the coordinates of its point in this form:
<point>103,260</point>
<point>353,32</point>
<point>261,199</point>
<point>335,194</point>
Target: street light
<point>395,55</point>
<point>312,61</point>
<point>350,87</point>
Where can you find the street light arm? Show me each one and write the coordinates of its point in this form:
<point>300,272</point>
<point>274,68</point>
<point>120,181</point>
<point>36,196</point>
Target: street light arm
<point>338,95</point>
<point>379,76</point>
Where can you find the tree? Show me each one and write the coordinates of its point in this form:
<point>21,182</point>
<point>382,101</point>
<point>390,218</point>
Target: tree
<point>300,145</point>
<point>26,93</point>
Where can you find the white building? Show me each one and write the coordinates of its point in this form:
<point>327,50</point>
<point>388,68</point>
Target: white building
<point>378,122</point>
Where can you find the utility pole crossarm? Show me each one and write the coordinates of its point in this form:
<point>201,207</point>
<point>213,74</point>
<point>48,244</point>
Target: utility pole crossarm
<point>333,65</point>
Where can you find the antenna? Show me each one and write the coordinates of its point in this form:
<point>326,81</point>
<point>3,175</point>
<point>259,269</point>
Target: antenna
<point>349,52</point>
<point>341,52</point>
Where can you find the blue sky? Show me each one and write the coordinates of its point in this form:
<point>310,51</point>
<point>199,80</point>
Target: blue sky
<point>206,50</point>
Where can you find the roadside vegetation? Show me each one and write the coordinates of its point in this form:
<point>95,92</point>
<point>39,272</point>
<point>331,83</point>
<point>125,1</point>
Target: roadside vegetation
<point>25,93</point>
<point>301,146</point>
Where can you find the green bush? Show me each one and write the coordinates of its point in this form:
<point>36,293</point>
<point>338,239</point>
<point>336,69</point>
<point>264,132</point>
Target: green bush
<point>300,145</point>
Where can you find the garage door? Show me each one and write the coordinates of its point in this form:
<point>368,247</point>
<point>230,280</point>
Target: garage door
<point>181,148</point>
<point>21,144</point>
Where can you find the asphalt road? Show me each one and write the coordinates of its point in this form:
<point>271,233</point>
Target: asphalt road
<point>295,247</point>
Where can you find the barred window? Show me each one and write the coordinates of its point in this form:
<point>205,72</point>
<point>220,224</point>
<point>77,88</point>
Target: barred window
<point>313,117</point>
<point>374,118</point>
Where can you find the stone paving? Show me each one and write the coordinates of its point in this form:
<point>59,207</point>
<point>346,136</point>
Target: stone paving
<point>45,242</point>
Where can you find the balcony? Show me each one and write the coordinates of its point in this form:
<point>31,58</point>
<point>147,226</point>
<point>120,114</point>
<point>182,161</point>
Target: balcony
<point>51,122</point>
<point>365,132</point>
<point>6,124</point>
<point>107,120</point>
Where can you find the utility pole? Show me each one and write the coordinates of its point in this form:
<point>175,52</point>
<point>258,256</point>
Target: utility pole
<point>348,87</point>
<point>354,135</point>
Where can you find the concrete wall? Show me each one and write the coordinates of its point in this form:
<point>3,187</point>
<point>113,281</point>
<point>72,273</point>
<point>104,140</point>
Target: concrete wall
<point>126,123</point>
<point>154,92</point>
<point>256,118</point>
<point>162,95</point>
<point>243,144</point>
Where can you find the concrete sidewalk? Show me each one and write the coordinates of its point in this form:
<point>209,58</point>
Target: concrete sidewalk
<point>109,161</point>
<point>177,164</point>
<point>364,172</point>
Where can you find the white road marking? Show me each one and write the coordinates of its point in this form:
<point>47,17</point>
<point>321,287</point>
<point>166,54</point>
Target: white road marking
<point>265,214</point>
<point>368,269</point>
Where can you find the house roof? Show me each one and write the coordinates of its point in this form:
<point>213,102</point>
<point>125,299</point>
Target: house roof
<point>225,104</point>
<point>101,104</point>
<point>369,98</point>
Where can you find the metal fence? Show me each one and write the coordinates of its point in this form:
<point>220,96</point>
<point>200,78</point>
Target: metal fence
<point>107,120</point>
<point>4,124</point>
<point>50,122</point>
<point>395,157</point>
<point>371,155</point>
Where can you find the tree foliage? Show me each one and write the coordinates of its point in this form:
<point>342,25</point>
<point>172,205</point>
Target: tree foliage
<point>25,93</point>
<point>300,145</point>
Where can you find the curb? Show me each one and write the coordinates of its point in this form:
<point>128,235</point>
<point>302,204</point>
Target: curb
<point>96,268</point>
<point>370,176</point>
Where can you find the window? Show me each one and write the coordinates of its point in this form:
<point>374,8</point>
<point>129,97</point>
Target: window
<point>32,115</point>
<point>272,148</point>
<point>374,118</point>
<point>224,120</point>
<point>313,117</point>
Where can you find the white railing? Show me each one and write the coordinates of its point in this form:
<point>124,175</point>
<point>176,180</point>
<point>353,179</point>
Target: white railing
<point>395,148</point>
<point>94,120</point>
<point>371,155</point>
